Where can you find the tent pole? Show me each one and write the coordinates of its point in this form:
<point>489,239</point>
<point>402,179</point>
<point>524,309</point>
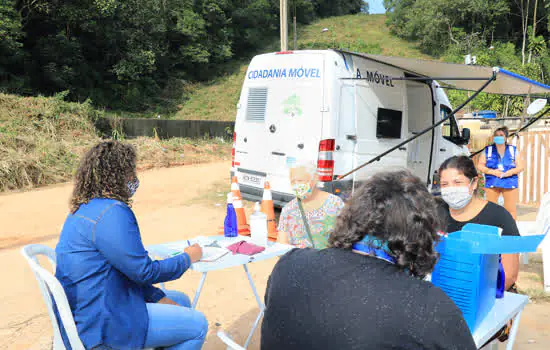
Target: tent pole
<point>424,78</point>
<point>377,158</point>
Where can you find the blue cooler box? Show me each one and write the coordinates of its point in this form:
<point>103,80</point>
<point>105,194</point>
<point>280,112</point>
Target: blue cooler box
<point>468,266</point>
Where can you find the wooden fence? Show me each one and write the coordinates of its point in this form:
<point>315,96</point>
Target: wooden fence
<point>535,150</point>
<point>534,182</point>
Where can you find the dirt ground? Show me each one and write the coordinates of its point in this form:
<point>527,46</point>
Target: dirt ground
<point>171,204</point>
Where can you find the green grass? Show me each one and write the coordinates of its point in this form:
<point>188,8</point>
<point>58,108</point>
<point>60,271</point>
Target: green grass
<point>217,99</point>
<point>536,295</point>
<point>359,33</point>
<point>43,138</point>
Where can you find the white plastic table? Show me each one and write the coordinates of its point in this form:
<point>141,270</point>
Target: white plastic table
<point>229,260</point>
<point>505,309</point>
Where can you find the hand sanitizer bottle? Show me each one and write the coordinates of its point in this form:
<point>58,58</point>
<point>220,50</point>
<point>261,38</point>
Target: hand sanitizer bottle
<point>230,226</point>
<point>258,227</point>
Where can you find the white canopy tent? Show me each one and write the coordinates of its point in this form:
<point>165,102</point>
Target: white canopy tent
<point>464,77</point>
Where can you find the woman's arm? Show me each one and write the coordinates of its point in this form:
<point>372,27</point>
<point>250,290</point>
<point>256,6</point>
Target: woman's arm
<point>282,237</point>
<point>510,262</point>
<point>153,294</point>
<point>520,166</point>
<point>482,166</point>
<point>117,237</point>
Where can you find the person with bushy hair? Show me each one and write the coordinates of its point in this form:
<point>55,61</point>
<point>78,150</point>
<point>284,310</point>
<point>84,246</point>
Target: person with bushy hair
<point>106,272</point>
<point>367,290</point>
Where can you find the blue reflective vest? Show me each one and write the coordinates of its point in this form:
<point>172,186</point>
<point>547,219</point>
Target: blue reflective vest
<point>494,161</point>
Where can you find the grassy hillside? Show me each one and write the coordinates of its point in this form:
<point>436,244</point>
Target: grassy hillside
<point>42,139</point>
<point>216,100</point>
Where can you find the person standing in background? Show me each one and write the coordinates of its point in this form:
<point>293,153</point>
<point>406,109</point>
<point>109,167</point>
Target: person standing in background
<point>501,164</point>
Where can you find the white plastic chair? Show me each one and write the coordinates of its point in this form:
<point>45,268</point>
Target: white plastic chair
<point>52,289</point>
<point>526,228</point>
<point>226,339</point>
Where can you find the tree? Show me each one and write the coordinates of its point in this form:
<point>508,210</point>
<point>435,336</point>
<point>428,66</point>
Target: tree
<point>11,48</point>
<point>125,53</point>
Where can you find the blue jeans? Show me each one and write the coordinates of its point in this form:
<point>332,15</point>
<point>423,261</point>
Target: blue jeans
<point>175,327</point>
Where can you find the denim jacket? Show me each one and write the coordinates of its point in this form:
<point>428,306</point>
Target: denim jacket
<point>108,276</point>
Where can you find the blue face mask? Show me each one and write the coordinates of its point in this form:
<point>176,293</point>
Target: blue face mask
<point>499,140</point>
<point>133,186</point>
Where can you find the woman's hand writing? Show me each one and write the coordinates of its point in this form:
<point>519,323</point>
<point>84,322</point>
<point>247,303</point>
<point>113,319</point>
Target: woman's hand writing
<point>194,252</point>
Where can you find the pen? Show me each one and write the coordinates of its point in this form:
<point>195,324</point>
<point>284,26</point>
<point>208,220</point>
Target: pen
<point>188,243</point>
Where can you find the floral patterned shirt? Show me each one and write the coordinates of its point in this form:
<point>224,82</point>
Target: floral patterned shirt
<point>321,222</point>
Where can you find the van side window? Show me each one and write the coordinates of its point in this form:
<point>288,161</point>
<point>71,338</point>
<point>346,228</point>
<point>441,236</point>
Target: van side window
<point>389,122</point>
<point>256,105</point>
<point>450,129</point>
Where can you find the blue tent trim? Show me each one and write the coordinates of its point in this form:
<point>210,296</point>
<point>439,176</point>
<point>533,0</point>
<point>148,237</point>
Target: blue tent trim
<point>517,76</point>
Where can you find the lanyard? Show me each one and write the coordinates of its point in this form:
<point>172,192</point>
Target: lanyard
<point>376,252</point>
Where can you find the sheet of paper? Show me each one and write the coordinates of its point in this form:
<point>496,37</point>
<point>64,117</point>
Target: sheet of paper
<point>212,254</point>
<point>208,253</point>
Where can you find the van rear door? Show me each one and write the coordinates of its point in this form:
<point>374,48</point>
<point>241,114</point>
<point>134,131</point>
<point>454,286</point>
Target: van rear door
<point>280,118</point>
<point>380,119</point>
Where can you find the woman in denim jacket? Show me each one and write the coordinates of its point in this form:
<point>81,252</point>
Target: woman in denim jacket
<point>107,273</point>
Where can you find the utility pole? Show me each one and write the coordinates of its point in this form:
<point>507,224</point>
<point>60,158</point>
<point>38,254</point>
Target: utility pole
<point>295,33</point>
<point>284,25</point>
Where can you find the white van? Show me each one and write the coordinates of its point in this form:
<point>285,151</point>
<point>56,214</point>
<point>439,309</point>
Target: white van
<point>339,110</point>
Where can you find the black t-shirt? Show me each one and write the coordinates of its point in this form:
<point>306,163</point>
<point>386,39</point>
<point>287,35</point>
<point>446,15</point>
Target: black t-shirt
<point>337,299</point>
<point>492,215</point>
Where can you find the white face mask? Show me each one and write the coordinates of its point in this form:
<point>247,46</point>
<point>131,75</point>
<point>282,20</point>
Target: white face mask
<point>457,197</point>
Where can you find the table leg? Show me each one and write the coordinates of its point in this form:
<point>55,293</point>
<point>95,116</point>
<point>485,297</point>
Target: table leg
<point>513,332</point>
<point>260,305</point>
<point>198,292</point>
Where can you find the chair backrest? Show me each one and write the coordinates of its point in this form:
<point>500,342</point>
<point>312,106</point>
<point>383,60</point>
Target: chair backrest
<point>51,289</point>
<point>543,215</point>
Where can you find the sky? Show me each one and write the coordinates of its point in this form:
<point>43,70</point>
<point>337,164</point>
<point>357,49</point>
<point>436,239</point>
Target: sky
<point>376,6</point>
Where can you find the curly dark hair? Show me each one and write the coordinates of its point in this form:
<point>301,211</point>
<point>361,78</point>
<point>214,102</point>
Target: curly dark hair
<point>396,208</point>
<point>104,172</point>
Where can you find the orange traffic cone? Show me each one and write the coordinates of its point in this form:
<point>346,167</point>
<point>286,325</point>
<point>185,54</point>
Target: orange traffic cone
<point>244,228</point>
<point>235,189</point>
<point>269,210</point>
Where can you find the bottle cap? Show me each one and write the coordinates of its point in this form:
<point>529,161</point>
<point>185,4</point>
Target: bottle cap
<point>230,198</point>
<point>257,207</point>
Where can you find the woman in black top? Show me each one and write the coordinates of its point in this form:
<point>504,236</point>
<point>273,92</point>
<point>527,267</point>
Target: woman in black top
<point>366,291</point>
<point>458,177</point>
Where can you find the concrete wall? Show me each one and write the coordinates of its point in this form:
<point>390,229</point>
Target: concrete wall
<point>166,128</point>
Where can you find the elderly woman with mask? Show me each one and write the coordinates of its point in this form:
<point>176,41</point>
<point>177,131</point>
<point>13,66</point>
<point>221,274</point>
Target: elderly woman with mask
<point>308,220</point>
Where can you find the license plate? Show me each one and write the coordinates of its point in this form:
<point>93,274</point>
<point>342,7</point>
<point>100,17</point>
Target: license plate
<point>251,180</point>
